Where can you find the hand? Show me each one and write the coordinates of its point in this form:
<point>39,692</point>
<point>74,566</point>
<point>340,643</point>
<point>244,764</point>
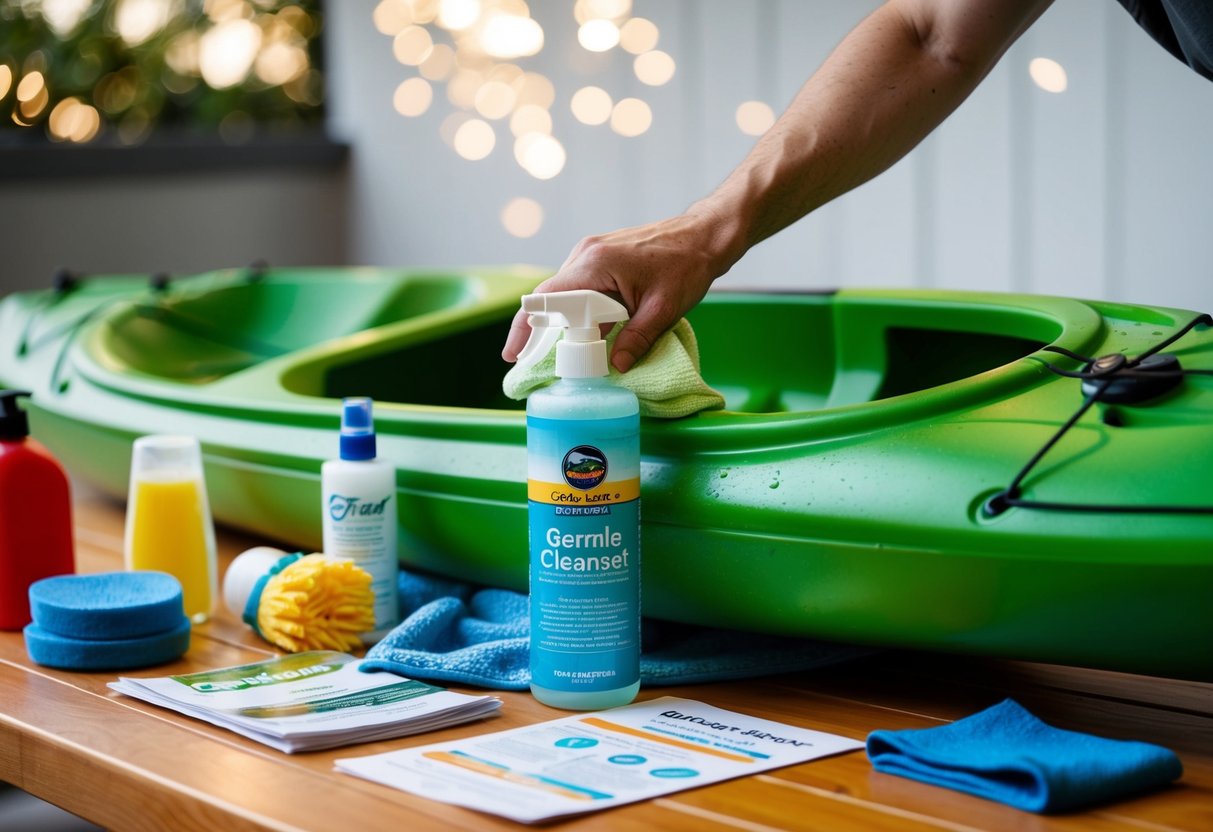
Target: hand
<point>658,271</point>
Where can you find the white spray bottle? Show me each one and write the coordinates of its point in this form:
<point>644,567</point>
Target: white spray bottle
<point>583,471</point>
<point>359,511</point>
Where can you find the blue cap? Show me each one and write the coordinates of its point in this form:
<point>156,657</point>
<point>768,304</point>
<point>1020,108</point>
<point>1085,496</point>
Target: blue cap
<point>357,429</point>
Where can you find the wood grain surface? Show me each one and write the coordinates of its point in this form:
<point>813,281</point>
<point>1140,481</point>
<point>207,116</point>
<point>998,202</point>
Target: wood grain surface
<point>126,765</point>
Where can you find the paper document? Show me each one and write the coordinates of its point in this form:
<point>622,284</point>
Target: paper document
<point>308,701</point>
<point>593,761</point>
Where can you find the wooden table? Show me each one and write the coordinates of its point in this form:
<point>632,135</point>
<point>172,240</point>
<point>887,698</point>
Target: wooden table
<point>124,764</point>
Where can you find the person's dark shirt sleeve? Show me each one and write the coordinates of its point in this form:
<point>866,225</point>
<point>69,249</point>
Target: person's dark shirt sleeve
<point>1183,27</point>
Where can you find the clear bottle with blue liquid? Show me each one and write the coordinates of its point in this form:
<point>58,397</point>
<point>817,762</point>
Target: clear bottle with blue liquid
<point>583,472</point>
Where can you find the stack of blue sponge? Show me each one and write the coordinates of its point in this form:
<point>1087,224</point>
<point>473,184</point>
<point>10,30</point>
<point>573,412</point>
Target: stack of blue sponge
<point>107,621</point>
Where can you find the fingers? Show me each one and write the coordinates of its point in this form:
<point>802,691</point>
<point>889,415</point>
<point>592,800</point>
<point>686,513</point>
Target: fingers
<point>658,272</point>
<point>520,327</point>
<point>572,275</point>
<point>520,331</point>
<point>652,319</point>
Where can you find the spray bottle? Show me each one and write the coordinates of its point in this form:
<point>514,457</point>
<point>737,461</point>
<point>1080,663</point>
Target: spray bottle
<point>583,472</point>
<point>359,505</point>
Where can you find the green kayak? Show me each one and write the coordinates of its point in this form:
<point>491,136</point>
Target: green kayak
<point>1009,475</point>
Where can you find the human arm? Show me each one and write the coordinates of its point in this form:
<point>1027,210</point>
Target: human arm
<point>891,81</point>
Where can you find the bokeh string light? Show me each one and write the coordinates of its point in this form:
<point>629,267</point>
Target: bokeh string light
<point>75,71</point>
<point>478,49</point>
<point>754,117</point>
<point>1048,74</point>
<point>522,217</point>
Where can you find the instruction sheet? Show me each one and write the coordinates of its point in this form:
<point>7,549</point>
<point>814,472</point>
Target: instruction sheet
<point>588,762</point>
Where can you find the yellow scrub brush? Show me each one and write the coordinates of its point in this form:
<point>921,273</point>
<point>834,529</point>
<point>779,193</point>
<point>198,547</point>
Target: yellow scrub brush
<point>301,602</point>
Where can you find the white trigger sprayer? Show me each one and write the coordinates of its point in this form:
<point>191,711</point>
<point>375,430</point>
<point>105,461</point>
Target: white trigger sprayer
<point>578,313</point>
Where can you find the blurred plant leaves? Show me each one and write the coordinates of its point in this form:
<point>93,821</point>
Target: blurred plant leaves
<point>135,88</point>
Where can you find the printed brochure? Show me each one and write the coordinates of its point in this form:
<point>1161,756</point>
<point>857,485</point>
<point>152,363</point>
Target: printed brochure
<point>593,761</point>
<point>309,701</point>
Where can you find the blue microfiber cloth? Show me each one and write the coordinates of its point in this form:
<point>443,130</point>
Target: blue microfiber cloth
<point>666,379</point>
<point>456,632</point>
<point>1006,754</point>
<point>66,653</point>
<point>110,605</point>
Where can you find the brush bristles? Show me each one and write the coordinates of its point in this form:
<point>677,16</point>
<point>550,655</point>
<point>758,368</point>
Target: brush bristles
<point>317,603</point>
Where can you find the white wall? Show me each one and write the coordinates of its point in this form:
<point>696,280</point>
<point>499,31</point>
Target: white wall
<point>1101,191</point>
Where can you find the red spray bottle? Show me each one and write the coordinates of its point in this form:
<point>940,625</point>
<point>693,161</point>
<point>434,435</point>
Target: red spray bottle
<point>35,514</point>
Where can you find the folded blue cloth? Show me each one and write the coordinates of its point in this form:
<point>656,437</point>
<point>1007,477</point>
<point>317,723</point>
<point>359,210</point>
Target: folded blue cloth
<point>456,632</point>
<point>1006,754</point>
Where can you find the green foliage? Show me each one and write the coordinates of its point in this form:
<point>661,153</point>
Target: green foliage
<point>139,86</point>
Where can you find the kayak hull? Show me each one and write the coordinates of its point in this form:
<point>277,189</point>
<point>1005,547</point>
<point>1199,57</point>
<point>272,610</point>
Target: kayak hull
<point>839,495</point>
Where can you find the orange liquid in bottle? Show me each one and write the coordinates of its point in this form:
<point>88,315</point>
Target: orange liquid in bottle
<point>169,533</point>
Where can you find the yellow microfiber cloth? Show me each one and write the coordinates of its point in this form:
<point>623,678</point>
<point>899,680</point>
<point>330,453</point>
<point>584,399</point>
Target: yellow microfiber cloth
<point>666,380</point>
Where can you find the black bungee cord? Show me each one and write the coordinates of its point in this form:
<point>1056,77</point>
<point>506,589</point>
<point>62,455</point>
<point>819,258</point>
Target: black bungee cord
<point>158,286</point>
<point>1112,376</point>
<point>64,283</point>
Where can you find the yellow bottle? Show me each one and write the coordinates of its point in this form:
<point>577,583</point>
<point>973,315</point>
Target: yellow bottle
<point>168,519</point>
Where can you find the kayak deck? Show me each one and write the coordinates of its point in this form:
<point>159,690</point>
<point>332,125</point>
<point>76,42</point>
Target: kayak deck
<point>839,494</point>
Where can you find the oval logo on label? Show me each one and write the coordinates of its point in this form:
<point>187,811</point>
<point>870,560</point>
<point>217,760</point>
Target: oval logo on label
<point>627,759</point>
<point>584,467</point>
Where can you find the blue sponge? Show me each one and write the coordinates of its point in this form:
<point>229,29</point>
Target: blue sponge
<point>66,653</point>
<point>111,605</point>
<point>108,621</point>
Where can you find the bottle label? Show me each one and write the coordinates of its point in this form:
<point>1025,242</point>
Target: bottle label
<point>362,528</point>
<point>584,499</point>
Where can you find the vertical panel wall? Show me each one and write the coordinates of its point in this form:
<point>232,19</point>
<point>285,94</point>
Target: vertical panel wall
<point>1062,155</point>
<point>1162,173</point>
<point>1102,190</point>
